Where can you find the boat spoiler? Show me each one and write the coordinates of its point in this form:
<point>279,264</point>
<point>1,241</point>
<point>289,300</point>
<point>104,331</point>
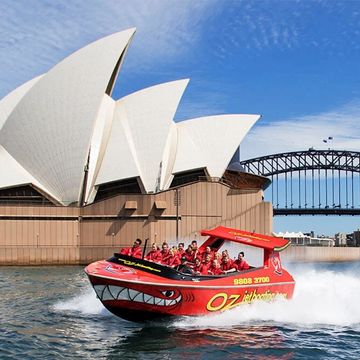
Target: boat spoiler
<point>247,238</point>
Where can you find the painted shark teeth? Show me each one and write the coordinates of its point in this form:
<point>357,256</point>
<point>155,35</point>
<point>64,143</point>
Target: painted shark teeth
<point>115,290</point>
<point>111,292</point>
<point>148,299</point>
<point>99,290</point>
<point>132,294</point>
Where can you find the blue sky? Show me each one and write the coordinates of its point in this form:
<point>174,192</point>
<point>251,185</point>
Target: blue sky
<point>294,62</point>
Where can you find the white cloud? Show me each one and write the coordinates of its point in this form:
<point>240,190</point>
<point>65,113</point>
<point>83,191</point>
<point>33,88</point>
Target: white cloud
<point>35,36</point>
<point>304,132</point>
<point>256,26</point>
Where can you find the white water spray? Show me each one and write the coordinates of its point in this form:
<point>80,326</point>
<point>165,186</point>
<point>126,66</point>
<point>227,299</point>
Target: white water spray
<point>85,303</point>
<point>321,297</point>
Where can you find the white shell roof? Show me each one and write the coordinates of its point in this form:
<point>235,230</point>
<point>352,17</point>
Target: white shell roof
<point>63,104</point>
<point>63,133</point>
<point>10,101</point>
<point>15,174</point>
<point>141,125</point>
<point>99,143</point>
<point>210,142</point>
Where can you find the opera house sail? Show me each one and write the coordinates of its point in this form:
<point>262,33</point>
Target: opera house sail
<point>84,173</point>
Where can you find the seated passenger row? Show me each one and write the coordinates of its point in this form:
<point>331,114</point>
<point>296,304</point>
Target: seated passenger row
<point>191,260</point>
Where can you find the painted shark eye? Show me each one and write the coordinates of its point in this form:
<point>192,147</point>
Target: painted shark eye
<point>168,293</point>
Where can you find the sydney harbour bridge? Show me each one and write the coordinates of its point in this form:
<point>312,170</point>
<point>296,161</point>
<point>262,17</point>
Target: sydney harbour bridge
<point>311,182</point>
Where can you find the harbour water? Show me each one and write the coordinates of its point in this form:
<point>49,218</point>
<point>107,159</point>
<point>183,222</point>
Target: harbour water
<point>52,313</point>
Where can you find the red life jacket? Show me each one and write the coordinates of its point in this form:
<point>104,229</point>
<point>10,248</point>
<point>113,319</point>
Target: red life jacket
<point>165,256</point>
<point>241,265</point>
<point>205,268</point>
<point>136,252</point>
<point>131,251</point>
<point>215,270</point>
<point>190,257</point>
<point>198,269</point>
<point>205,253</point>
<point>181,252</point>
<point>154,255</point>
<point>228,266</point>
<point>173,261</point>
<point>126,251</point>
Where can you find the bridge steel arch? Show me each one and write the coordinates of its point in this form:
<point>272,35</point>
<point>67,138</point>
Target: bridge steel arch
<point>311,182</point>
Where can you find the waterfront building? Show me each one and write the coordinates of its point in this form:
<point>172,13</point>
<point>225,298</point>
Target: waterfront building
<point>84,174</point>
<point>350,239</point>
<point>356,238</point>
<point>340,239</point>
<point>301,239</point>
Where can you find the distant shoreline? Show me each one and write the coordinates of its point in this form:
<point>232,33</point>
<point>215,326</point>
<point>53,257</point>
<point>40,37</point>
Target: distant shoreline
<point>320,254</point>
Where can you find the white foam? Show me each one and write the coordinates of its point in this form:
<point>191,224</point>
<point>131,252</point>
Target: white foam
<point>86,303</point>
<point>321,297</point>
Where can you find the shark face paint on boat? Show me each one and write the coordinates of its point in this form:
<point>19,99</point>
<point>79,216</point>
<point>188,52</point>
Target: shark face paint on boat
<point>166,298</point>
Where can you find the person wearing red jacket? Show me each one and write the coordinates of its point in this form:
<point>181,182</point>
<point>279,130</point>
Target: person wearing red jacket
<point>181,250</point>
<point>227,265</point>
<point>240,262</point>
<point>206,265</point>
<point>196,250</point>
<point>206,253</point>
<point>198,267</point>
<point>154,254</point>
<point>173,260</point>
<point>165,253</point>
<point>134,251</point>
<point>215,268</point>
<point>189,254</point>
<point>194,245</point>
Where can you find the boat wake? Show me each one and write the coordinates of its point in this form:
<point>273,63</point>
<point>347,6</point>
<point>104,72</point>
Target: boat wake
<point>85,303</point>
<point>324,297</point>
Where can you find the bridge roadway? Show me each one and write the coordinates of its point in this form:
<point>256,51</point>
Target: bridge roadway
<point>315,211</point>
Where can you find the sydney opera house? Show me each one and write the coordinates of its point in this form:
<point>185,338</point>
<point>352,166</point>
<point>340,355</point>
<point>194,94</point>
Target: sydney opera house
<point>83,174</point>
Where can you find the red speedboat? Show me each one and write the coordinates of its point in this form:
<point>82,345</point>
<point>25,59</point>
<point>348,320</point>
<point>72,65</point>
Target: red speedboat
<point>140,290</point>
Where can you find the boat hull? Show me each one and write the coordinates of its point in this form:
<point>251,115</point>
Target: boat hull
<point>137,295</point>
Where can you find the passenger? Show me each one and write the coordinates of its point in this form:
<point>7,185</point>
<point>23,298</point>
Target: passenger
<point>174,259</point>
<point>189,254</point>
<point>154,254</point>
<point>165,253</point>
<point>181,249</point>
<point>176,252</point>
<point>240,262</point>
<point>198,268</point>
<point>183,267</point>
<point>218,257</point>
<point>227,265</point>
<point>215,268</point>
<point>134,251</point>
<point>194,245</point>
<point>206,264</point>
<point>207,252</point>
<point>196,250</point>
